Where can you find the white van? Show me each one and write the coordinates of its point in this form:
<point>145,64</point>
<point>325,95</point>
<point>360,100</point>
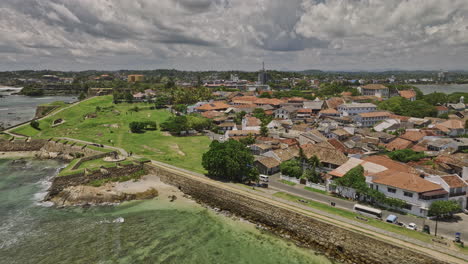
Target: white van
<point>264,178</point>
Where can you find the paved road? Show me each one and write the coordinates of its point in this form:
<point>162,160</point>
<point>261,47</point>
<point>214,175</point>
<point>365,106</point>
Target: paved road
<point>445,229</point>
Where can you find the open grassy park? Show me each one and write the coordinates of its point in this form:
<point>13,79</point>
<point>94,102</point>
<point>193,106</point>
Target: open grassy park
<point>99,120</point>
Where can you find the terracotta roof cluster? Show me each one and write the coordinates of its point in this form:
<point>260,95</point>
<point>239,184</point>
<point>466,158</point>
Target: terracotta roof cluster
<point>329,111</point>
<point>441,108</point>
<point>376,114</point>
<point>454,181</point>
<point>413,136</point>
<point>211,114</point>
<point>341,147</point>
<point>449,125</point>
<point>325,154</point>
<point>408,94</point>
<point>213,106</point>
<point>398,144</point>
<point>390,164</point>
<point>252,121</point>
<point>375,87</point>
<point>334,102</point>
<point>269,162</point>
<point>304,111</point>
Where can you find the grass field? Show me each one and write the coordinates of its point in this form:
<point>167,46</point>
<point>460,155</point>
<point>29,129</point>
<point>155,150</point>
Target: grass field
<point>351,215</point>
<point>110,127</point>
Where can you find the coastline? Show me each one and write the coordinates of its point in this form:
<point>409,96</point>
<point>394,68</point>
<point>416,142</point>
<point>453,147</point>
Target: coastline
<point>18,154</point>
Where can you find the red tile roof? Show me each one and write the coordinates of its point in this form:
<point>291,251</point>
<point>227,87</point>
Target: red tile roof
<point>408,94</point>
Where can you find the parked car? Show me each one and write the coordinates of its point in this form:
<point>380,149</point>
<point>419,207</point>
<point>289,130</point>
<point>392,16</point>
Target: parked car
<point>393,219</point>
<point>412,226</point>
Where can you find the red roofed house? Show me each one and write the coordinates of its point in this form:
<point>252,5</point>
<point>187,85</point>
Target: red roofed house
<point>251,123</point>
<point>452,127</point>
<point>408,94</point>
<point>214,106</point>
<point>441,110</point>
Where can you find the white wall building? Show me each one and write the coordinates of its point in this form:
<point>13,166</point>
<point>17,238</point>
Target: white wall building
<point>356,108</point>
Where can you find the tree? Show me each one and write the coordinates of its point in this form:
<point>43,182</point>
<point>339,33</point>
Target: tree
<point>35,124</point>
<point>136,127</point>
<point>466,124</point>
<point>291,168</point>
<point>406,155</point>
<point>311,175</point>
<point>161,102</point>
<point>249,140</point>
<point>128,97</point>
<point>263,130</point>
<point>180,108</point>
<point>176,124</point>
<point>442,209</point>
<point>239,116</point>
<point>355,179</point>
<point>82,96</point>
<point>436,98</point>
<point>229,160</point>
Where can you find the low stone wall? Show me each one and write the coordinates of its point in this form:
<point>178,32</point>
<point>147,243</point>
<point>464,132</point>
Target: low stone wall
<point>61,182</point>
<point>97,156</point>
<point>43,110</point>
<point>52,146</point>
<point>22,145</point>
<point>336,242</point>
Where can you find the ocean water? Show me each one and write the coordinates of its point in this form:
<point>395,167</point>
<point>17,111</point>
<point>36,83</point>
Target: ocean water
<point>444,88</point>
<point>153,231</point>
<point>15,109</point>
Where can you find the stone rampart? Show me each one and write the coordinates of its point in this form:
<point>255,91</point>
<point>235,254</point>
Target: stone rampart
<point>22,145</point>
<point>341,244</point>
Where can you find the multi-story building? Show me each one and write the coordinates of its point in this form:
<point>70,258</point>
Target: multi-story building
<point>356,108</point>
<point>135,78</point>
<point>371,118</point>
<point>377,90</point>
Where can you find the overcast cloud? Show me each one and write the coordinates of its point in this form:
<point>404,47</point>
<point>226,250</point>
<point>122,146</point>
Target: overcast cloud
<point>234,34</point>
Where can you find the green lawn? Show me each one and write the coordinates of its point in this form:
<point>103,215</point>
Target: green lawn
<point>110,127</point>
<point>351,215</point>
<point>315,190</point>
<point>94,164</point>
<point>287,182</point>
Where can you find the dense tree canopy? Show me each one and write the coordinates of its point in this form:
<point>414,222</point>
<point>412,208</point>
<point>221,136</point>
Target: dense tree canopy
<point>406,155</point>
<point>230,160</point>
<point>401,106</point>
<point>443,208</point>
<point>291,168</point>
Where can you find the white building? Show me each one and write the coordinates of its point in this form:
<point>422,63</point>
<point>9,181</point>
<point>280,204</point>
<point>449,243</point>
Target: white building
<point>417,192</point>
<point>377,90</point>
<point>356,108</point>
<point>371,118</point>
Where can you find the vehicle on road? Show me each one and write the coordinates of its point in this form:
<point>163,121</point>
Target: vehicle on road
<point>368,211</point>
<point>264,178</point>
<point>412,226</point>
<point>393,219</point>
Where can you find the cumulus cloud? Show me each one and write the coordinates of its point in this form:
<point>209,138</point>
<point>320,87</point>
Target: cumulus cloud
<point>234,34</point>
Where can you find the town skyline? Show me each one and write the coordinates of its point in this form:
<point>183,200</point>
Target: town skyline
<point>234,35</point>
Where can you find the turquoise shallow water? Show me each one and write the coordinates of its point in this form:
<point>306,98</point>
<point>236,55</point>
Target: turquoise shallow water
<point>153,231</point>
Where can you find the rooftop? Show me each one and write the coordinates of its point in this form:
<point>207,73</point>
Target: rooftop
<point>375,87</point>
<point>406,181</point>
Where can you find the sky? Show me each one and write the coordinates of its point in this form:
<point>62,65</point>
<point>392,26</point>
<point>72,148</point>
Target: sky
<point>371,35</point>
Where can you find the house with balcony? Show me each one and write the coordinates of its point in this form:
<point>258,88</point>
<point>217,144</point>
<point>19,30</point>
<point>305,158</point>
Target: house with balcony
<point>455,186</point>
<point>417,192</point>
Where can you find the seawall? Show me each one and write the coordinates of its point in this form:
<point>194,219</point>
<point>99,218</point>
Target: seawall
<point>341,244</point>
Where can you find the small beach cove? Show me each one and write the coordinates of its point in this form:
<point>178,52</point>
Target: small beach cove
<point>149,231</point>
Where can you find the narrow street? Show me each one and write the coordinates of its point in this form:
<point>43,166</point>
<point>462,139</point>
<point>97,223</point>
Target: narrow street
<point>446,229</point>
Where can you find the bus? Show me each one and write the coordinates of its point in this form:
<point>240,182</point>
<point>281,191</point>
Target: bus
<point>368,211</point>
